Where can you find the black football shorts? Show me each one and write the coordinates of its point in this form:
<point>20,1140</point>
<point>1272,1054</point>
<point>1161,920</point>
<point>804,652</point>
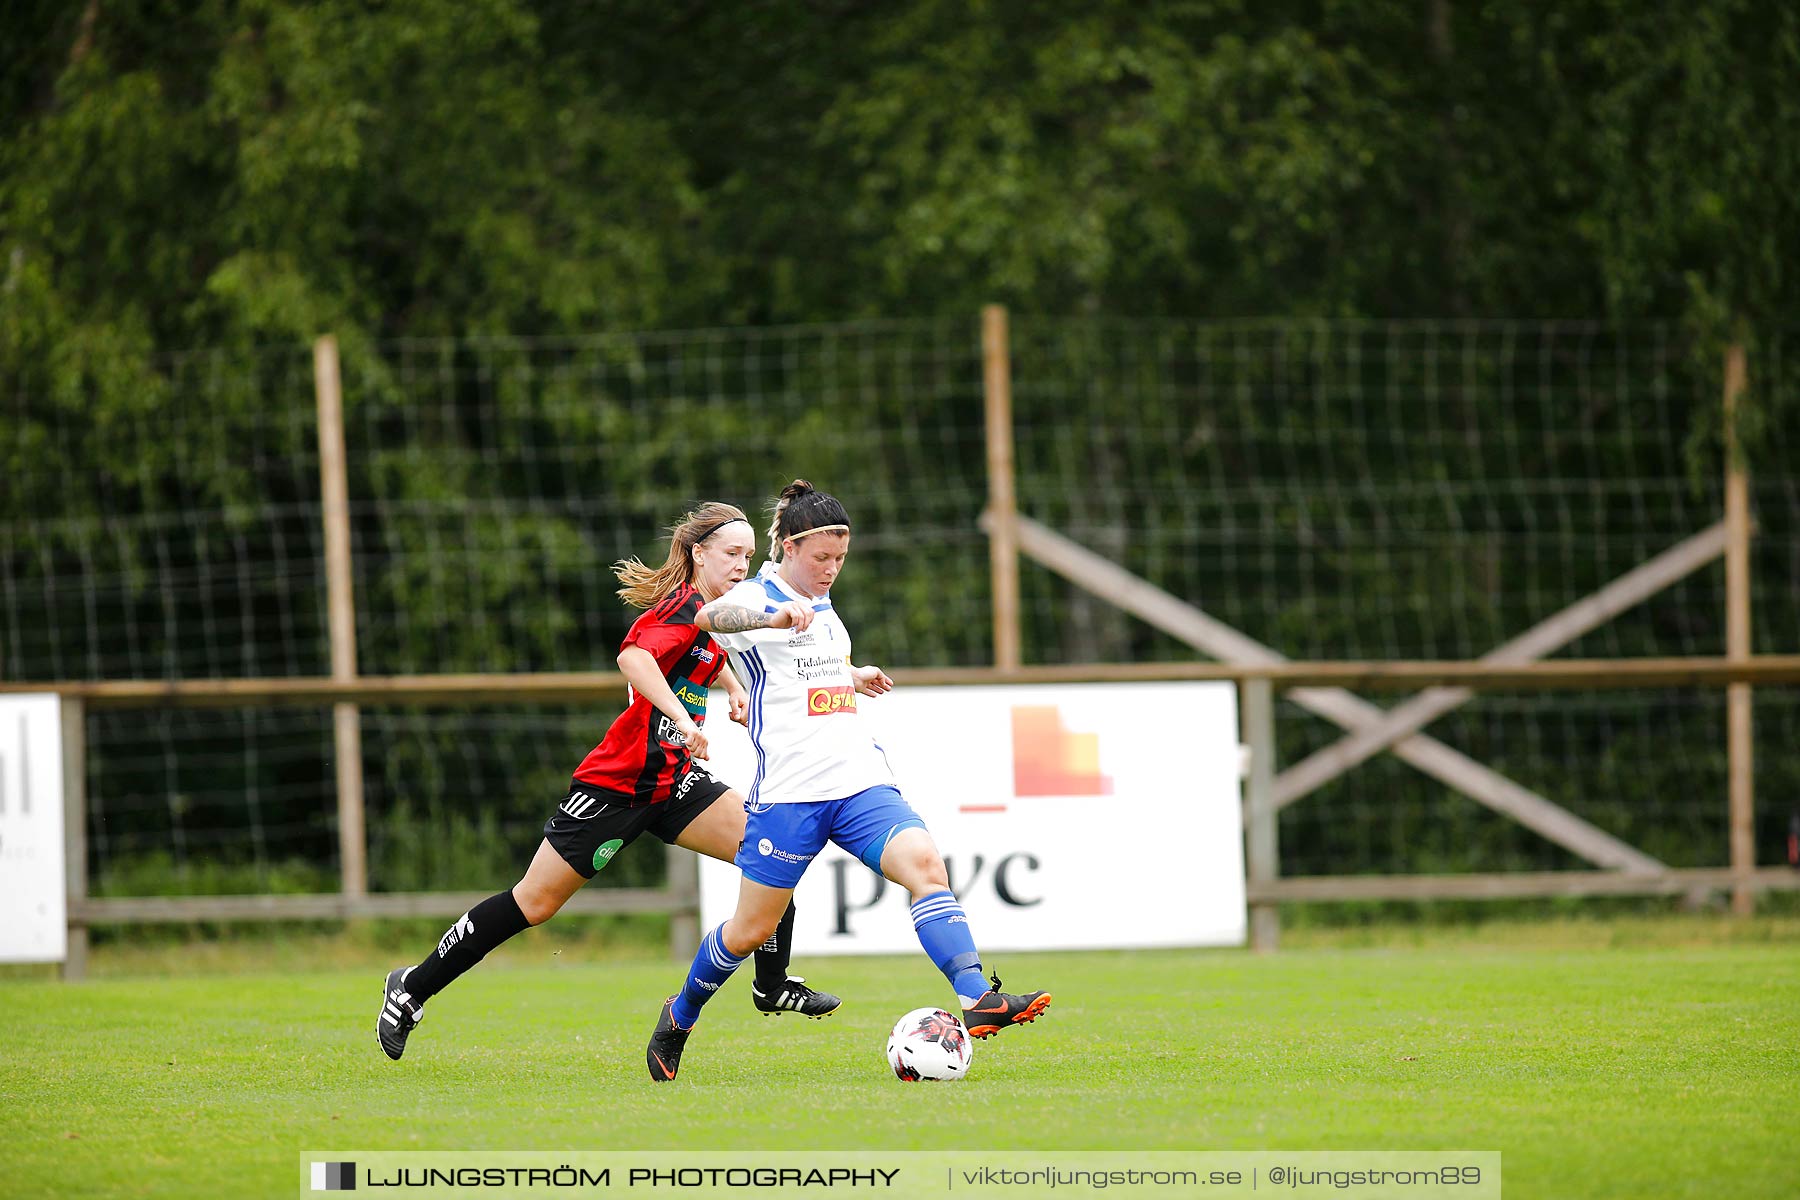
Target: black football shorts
<point>593,824</point>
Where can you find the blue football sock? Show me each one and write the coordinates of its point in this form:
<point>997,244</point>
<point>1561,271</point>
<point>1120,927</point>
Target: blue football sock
<point>943,930</point>
<point>713,965</point>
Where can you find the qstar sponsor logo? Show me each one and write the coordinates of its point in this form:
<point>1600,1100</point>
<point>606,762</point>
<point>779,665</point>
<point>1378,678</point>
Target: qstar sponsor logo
<point>823,701</point>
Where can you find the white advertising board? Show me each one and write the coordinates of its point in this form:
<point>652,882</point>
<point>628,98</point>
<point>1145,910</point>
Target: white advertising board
<point>33,883</point>
<point>1081,816</point>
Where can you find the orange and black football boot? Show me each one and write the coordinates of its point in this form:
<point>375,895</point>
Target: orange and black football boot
<point>997,1010</point>
<point>663,1055</point>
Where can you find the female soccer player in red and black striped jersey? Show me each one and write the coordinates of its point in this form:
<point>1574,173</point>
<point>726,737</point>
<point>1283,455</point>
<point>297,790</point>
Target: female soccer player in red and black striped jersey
<point>641,778</point>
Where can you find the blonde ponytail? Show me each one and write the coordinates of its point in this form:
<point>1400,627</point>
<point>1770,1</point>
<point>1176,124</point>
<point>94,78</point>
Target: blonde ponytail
<point>644,585</point>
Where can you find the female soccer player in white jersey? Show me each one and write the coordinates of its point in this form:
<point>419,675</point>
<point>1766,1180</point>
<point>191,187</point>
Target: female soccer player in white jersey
<point>819,777</point>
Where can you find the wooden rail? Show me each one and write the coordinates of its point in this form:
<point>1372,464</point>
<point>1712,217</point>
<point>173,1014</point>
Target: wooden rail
<point>582,686</point>
<point>1516,885</point>
<point>337,906</point>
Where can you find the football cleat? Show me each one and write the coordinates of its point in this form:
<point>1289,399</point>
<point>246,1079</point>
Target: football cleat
<point>398,1014</point>
<point>663,1055</point>
<point>996,1010</point>
<point>794,996</point>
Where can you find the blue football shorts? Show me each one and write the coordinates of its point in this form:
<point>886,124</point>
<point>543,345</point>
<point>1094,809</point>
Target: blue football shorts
<point>781,840</point>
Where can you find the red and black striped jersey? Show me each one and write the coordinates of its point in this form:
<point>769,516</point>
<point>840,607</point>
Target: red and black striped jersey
<point>641,756</point>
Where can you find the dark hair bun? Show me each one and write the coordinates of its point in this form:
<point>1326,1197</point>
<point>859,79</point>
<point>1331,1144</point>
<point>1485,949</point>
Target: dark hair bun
<point>796,489</point>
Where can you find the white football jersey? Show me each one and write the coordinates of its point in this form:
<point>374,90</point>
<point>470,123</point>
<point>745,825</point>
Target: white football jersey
<point>811,744</point>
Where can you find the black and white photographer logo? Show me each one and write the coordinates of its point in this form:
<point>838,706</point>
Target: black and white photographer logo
<point>334,1177</point>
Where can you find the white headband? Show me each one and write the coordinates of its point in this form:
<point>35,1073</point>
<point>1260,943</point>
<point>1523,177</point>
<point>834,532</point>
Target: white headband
<point>794,537</point>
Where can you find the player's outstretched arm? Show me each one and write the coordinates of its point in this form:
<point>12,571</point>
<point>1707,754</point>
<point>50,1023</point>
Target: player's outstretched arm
<point>871,680</point>
<point>639,667</point>
<point>723,617</point>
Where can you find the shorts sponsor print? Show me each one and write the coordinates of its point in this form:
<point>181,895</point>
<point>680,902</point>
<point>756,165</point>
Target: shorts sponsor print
<point>769,849</point>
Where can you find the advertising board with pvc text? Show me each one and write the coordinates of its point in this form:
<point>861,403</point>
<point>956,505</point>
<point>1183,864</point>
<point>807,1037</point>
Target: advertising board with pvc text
<point>1071,816</point>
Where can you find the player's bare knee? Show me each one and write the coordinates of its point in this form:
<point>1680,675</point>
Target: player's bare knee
<point>535,905</point>
<point>933,875</point>
<point>742,935</point>
<point>920,869</point>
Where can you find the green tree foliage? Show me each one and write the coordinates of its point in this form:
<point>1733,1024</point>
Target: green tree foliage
<point>200,174</point>
<point>243,175</point>
<point>181,175</point>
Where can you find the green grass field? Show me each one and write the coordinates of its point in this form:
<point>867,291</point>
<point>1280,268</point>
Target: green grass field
<point>1599,1065</point>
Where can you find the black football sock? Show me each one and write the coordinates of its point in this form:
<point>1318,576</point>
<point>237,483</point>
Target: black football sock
<point>466,943</point>
<point>773,956</point>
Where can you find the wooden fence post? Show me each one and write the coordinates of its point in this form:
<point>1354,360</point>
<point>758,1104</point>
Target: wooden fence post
<point>684,886</point>
<point>1740,732</point>
<point>74,773</point>
<point>341,610</point>
<point>1262,852</point>
<point>1003,505</point>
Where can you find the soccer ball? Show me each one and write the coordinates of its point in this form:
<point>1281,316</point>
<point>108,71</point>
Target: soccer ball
<point>929,1044</point>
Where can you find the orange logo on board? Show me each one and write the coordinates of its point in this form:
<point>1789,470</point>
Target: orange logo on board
<point>823,701</point>
<point>1052,760</point>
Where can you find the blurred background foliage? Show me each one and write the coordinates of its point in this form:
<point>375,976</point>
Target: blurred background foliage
<point>489,202</point>
<point>199,174</point>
